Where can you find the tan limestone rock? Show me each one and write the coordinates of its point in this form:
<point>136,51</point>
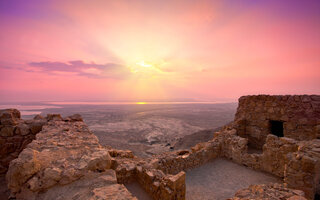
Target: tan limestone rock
<point>22,168</point>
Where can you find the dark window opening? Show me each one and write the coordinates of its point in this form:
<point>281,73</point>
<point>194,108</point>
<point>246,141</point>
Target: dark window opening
<point>276,128</point>
<point>317,196</point>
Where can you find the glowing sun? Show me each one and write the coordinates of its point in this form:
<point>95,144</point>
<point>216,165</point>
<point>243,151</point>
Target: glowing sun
<point>143,64</point>
<point>143,67</point>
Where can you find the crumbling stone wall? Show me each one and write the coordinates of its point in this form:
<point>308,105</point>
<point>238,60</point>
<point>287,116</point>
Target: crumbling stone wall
<point>15,134</point>
<point>275,151</point>
<point>65,155</point>
<point>63,152</point>
<point>174,162</point>
<point>160,185</point>
<point>297,162</point>
<point>155,182</point>
<point>300,115</point>
<point>302,169</point>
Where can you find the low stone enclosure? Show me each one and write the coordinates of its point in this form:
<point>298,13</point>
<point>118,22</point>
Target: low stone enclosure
<point>66,161</point>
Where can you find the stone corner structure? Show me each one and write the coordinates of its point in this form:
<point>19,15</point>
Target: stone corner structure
<point>292,116</point>
<point>66,161</point>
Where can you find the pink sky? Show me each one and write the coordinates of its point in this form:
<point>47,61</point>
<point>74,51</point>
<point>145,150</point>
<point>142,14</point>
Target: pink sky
<point>157,50</point>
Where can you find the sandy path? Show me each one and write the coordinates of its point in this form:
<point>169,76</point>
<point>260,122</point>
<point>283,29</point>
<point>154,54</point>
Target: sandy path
<point>220,179</point>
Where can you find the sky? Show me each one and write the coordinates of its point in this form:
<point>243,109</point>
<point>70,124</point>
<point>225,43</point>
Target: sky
<point>169,50</point>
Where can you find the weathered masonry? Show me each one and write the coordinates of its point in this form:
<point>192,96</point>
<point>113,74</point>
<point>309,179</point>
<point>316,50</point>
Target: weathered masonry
<point>65,154</point>
<point>296,117</point>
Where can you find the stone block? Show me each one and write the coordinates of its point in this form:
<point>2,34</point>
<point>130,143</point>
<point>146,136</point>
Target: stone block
<point>9,116</point>
<point>99,160</point>
<point>36,126</point>
<point>22,129</point>
<point>177,181</point>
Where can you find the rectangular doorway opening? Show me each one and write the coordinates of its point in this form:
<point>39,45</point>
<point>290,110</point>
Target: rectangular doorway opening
<point>276,128</point>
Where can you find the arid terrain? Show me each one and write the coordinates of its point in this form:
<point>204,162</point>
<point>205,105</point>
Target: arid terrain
<point>149,128</point>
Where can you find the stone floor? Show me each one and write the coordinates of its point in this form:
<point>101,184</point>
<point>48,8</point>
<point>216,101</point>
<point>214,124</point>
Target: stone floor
<point>220,179</point>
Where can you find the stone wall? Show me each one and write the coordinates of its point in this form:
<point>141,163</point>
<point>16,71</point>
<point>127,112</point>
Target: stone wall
<point>62,153</point>
<point>300,115</point>
<point>154,181</point>
<point>302,169</point>
<point>66,161</point>
<point>297,162</point>
<point>161,186</point>
<point>174,162</point>
<point>15,134</point>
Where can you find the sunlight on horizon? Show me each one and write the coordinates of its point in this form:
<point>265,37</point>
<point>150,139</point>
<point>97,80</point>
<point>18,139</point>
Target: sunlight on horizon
<point>141,103</point>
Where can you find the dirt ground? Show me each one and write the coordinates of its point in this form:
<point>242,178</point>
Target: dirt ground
<point>220,179</point>
<point>137,191</point>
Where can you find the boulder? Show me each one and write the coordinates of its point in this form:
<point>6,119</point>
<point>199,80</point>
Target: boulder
<point>22,168</point>
<point>36,126</point>
<point>9,116</point>
<point>23,129</point>
<point>99,161</point>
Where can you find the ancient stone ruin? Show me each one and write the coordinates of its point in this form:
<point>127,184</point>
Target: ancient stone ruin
<point>15,134</point>
<point>66,161</point>
<point>295,117</point>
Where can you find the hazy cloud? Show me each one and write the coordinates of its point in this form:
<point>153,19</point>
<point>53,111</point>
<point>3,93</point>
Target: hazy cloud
<point>78,67</point>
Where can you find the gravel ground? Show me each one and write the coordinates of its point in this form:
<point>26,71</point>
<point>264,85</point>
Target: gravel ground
<point>220,179</point>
